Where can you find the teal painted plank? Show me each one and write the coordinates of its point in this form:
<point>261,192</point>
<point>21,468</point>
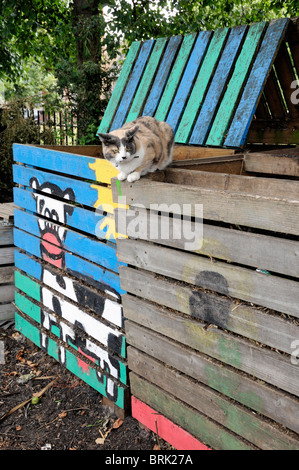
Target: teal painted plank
<point>174,77</point>
<point>52,242</point>
<point>119,87</point>
<point>203,78</point>
<point>228,103</point>
<point>162,76</point>
<point>239,127</point>
<point>85,372</point>
<point>146,81</point>
<point>215,91</point>
<point>132,85</point>
<point>185,86</point>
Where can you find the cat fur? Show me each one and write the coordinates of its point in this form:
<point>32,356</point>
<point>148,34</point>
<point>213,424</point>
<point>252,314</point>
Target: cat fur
<point>139,147</point>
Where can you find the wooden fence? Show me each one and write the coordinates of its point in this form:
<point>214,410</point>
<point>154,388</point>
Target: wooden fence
<point>67,282</point>
<point>212,322</point>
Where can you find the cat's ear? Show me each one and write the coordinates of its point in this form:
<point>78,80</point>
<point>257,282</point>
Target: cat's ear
<point>107,139</point>
<point>130,134</point>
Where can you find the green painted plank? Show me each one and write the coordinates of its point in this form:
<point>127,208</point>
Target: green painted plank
<point>174,77</point>
<point>146,81</point>
<point>200,85</point>
<point>225,111</point>
<point>119,87</point>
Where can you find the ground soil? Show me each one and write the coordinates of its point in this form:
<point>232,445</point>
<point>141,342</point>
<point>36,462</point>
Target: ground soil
<point>69,415</point>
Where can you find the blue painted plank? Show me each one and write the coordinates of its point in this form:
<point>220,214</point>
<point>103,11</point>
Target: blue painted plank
<point>88,221</point>
<point>63,162</point>
<point>162,76</point>
<point>240,124</point>
<point>215,91</point>
<point>132,85</point>
<point>187,81</point>
<point>75,242</point>
<point>61,186</point>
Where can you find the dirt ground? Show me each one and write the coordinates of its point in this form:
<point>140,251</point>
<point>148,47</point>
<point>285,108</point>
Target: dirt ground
<point>68,415</point>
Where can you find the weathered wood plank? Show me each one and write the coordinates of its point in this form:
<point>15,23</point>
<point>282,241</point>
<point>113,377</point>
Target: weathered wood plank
<point>281,162</point>
<point>6,235</point>
<point>247,248</point>
<point>275,132</point>
<point>188,418</point>
<point>89,168</point>
<point>132,84</point>
<point>262,363</point>
<point>267,213</point>
<point>238,129</point>
<point>185,86</point>
<point>199,88</point>
<point>107,334</point>
<point>119,87</point>
<point>234,87</point>
<point>217,86</point>
<point>7,293</point>
<point>6,255</point>
<point>286,76</point>
<point>162,76</point>
<point>7,311</point>
<point>82,368</point>
<point>253,323</point>
<point>75,242</point>
<point>6,274</point>
<point>174,77</point>
<point>146,80</point>
<point>254,394</point>
<point>261,289</point>
<point>81,268</point>
<point>231,415</point>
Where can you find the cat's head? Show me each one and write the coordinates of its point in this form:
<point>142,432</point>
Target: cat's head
<point>119,146</point>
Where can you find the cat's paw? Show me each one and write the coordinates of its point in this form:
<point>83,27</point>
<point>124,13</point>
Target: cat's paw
<point>133,176</point>
<point>121,176</point>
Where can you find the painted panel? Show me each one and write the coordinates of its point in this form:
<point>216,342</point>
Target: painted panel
<point>242,119</point>
<point>146,81</point>
<point>203,78</point>
<point>79,367</point>
<point>228,103</point>
<point>119,87</point>
<point>132,85</point>
<point>162,76</point>
<point>217,85</point>
<point>185,86</point>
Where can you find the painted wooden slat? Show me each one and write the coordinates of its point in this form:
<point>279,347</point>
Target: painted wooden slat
<point>174,77</point>
<point>197,55</point>
<point>92,222</point>
<point>228,103</point>
<point>166,429</point>
<point>233,417</point>
<point>119,87</point>
<point>203,78</point>
<point>83,192</point>
<point>89,168</point>
<point>162,76</point>
<point>75,242</point>
<point>72,313</point>
<point>132,85</point>
<point>262,363</point>
<point>78,367</point>
<point>97,300</point>
<point>196,423</point>
<point>239,127</point>
<point>147,78</point>
<point>244,389</point>
<point>215,91</point>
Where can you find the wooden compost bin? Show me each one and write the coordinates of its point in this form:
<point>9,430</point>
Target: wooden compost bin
<point>6,265</point>
<point>66,268</point>
<point>212,328</point>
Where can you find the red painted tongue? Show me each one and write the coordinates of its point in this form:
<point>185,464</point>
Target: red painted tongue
<point>50,242</point>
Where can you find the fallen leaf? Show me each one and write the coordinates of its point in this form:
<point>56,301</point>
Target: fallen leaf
<point>63,414</point>
<point>18,428</point>
<point>100,440</point>
<point>117,424</point>
<point>156,447</point>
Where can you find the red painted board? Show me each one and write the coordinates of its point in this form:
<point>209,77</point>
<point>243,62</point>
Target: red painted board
<point>167,430</point>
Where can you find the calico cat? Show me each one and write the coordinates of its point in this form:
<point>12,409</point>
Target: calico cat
<point>139,147</point>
